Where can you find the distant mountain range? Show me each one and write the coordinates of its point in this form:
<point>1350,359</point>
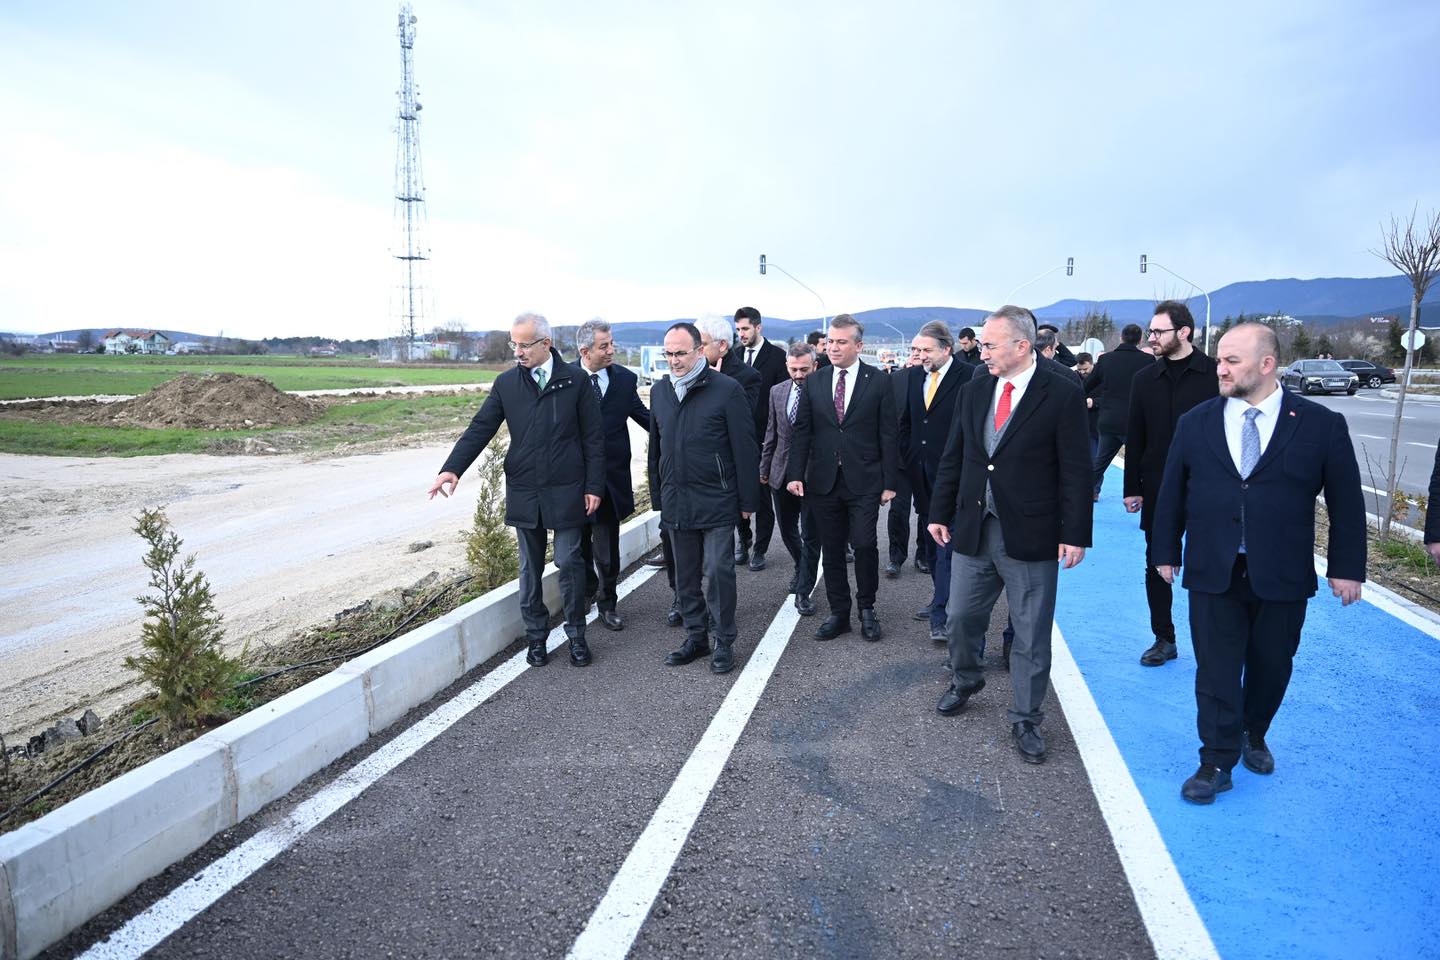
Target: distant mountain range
<point>1323,302</point>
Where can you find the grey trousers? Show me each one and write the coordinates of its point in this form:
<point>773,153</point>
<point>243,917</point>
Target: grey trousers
<point>711,554</point>
<point>571,565</point>
<point>975,584</point>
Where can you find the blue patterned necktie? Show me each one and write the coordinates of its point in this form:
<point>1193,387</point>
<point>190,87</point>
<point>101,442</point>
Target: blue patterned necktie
<point>1249,442</point>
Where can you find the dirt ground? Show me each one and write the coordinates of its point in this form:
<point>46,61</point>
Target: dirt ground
<point>286,542</point>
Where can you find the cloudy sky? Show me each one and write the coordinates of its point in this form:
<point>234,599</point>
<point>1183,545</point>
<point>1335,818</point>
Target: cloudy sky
<point>229,167</point>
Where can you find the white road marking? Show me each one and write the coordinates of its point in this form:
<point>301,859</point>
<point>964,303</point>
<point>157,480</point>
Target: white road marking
<point>1370,436</point>
<point>1427,446</point>
<point>168,914</point>
<point>1175,928</point>
<point>1422,619</point>
<point>612,928</point>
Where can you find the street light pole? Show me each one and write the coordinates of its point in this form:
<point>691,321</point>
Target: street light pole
<point>1068,265</point>
<point>825,313</point>
<point>1144,261</point>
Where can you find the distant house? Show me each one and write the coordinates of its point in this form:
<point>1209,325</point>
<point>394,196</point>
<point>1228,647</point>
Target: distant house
<point>145,341</point>
<point>324,350</point>
<point>61,345</point>
<point>188,346</point>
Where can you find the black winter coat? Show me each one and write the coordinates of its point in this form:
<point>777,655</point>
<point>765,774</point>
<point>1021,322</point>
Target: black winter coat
<point>704,461</point>
<point>557,445</point>
<point>1109,384</point>
<point>1156,402</point>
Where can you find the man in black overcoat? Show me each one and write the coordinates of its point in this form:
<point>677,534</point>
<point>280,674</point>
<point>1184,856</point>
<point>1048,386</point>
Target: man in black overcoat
<point>1108,387</point>
<point>768,360</point>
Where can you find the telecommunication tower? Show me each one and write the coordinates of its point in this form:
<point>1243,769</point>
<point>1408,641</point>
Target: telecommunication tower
<point>411,254</point>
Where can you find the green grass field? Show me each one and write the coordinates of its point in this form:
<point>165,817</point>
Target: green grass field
<point>348,423</point>
<point>84,375</point>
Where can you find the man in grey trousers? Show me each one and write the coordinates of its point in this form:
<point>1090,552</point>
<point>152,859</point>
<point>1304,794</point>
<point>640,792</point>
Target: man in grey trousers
<point>1014,487</point>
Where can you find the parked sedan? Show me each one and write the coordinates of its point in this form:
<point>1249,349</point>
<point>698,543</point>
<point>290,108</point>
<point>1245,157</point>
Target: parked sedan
<point>1371,374</point>
<point>1320,376</point>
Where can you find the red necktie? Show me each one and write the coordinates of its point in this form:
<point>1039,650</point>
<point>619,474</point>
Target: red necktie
<point>1002,409</point>
<point>840,397</point>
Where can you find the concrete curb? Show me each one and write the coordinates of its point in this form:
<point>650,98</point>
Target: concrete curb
<point>1390,394</point>
<point>68,866</point>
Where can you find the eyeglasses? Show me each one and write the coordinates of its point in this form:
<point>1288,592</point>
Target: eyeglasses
<point>1156,332</point>
<point>992,347</point>
<point>526,346</point>
<point>677,354</point>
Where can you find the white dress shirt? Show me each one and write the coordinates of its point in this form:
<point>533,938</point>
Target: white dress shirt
<point>1265,423</point>
<point>850,375</point>
<point>548,366</point>
<point>1021,381</point>
<point>604,374</point>
<point>925,387</point>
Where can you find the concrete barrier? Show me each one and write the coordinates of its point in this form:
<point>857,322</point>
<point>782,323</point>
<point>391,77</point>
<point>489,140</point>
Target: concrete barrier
<point>71,864</point>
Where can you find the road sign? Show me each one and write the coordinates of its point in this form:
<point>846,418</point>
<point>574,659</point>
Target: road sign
<point>1417,337</point>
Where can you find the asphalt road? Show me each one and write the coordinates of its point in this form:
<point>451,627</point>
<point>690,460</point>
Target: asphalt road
<point>851,820</point>
<point>1371,418</point>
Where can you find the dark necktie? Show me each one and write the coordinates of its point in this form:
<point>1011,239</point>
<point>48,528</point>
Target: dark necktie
<point>595,382</point>
<point>750,356</point>
<point>794,404</point>
<point>840,397</point>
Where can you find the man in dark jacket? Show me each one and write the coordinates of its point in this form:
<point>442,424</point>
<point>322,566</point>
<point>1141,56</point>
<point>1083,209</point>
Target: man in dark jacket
<point>767,360</point>
<point>965,346</point>
<point>797,527</point>
<point>1160,393</point>
<point>1059,353</point>
<point>554,473</point>
<point>1432,512</point>
<point>615,389</point>
<point>1108,387</point>
<point>704,473</point>
<point>897,521</point>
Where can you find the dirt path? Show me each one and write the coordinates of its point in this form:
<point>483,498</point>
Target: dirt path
<point>285,543</point>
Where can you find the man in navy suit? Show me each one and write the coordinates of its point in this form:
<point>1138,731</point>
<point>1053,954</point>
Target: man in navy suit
<point>1240,483</point>
<point>615,388</point>
<point>924,427</point>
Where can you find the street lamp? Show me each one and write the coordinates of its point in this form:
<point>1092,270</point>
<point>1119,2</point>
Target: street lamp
<point>1069,266</point>
<point>825,314</point>
<point>1144,260</point>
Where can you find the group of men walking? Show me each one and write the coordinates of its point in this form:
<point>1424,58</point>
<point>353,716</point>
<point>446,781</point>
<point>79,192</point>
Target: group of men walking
<point>989,440</point>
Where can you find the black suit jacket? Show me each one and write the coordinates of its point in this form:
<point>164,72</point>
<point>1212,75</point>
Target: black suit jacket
<point>1109,384</point>
<point>1040,473</point>
<point>1157,401</point>
<point>621,402</point>
<point>738,370</point>
<point>863,444</point>
<point>1432,511</point>
<point>1203,496</point>
<point>924,433</point>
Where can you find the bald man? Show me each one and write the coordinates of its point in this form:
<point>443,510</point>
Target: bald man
<point>1240,484</point>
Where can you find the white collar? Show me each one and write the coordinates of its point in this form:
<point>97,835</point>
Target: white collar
<point>1269,407</point>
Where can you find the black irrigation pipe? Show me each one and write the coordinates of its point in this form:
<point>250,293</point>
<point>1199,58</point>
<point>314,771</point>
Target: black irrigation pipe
<point>244,683</point>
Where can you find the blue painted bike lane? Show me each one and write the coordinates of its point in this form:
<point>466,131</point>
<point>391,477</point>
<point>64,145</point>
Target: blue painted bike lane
<point>1336,853</point>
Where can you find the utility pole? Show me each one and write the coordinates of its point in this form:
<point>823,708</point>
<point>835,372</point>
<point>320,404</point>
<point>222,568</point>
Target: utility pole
<point>412,255</point>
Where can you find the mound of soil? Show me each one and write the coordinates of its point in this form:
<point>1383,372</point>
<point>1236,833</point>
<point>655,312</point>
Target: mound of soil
<point>217,401</point>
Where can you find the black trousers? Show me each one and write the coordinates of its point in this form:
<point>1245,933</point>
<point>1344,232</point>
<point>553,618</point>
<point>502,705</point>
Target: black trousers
<point>1110,444</point>
<point>846,517</point>
<point>1244,651</point>
<point>1160,596</point>
<point>897,523</point>
<point>764,520</point>
<point>600,549</point>
<point>801,539</point>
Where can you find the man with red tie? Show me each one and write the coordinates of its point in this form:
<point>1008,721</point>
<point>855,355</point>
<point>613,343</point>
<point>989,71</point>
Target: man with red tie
<point>1014,488</point>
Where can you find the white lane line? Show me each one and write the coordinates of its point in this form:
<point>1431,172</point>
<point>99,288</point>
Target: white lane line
<point>1370,436</point>
<point>612,928</point>
<point>1174,925</point>
<point>167,915</point>
<point>1427,446</point>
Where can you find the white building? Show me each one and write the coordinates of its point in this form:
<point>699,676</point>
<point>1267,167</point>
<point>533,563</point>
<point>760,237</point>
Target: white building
<point>145,341</point>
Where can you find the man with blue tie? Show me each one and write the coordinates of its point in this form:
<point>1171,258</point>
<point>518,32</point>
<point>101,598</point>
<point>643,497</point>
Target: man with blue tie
<point>615,389</point>
<point>1240,484</point>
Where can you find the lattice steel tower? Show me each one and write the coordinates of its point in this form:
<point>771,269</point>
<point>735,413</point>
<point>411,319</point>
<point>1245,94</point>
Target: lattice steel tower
<point>411,254</point>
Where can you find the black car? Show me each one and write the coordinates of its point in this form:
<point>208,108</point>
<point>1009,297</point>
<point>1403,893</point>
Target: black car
<point>1320,376</point>
<point>1371,374</point>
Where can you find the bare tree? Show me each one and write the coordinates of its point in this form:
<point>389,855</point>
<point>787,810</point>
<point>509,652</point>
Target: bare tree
<point>1416,254</point>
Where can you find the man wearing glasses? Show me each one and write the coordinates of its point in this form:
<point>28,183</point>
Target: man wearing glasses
<point>1109,387</point>
<point>704,473</point>
<point>554,473</point>
<point>1010,499</point>
<point>1160,393</point>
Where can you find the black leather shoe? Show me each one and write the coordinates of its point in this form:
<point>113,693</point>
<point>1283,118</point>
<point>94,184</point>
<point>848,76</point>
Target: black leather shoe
<point>757,561</point>
<point>579,652</point>
<point>611,620</point>
<point>832,627</point>
<point>1208,781</point>
<point>742,554</point>
<point>689,652</point>
<point>673,618</point>
<point>921,565</point>
<point>1029,742</point>
<point>870,626</point>
<point>536,655</point>
<point>656,559</point>
<point>1159,652</point>
<point>892,569</point>
<point>952,701</point>
<point>922,614</point>
<point>938,635</point>
<point>804,605</point>
<point>1255,755</point>
<point>724,659</point>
